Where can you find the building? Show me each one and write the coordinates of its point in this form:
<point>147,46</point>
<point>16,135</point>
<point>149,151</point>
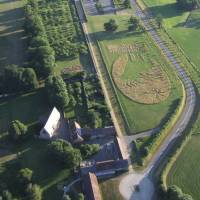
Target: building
<point>91,187</point>
<point>51,125</point>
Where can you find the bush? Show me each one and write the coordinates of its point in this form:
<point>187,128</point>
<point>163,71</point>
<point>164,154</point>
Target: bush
<point>17,130</point>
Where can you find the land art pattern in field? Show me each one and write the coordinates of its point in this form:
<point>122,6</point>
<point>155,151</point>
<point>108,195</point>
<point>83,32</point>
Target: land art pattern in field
<point>152,86</point>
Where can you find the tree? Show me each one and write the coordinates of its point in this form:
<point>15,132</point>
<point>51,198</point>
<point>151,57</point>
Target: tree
<point>12,75</point>
<point>7,195</point>
<point>80,196</point>
<point>127,4</point>
<point>19,79</point>
<point>25,176</point>
<point>39,41</point>
<point>111,25</point>
<point>63,152</point>
<point>29,79</point>
<point>88,150</point>
<point>134,23</point>
<point>66,197</point>
<point>57,92</point>
<point>34,192</point>
<point>159,20</point>
<point>17,130</point>
<point>94,119</point>
<point>43,60</point>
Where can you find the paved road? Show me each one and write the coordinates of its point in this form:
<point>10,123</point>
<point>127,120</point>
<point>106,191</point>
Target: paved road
<point>181,124</point>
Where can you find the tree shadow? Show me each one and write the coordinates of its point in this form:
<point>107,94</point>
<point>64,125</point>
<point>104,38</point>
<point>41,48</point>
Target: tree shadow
<point>13,40</point>
<point>167,10</point>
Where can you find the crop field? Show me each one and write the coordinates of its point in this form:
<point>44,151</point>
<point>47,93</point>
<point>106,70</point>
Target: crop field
<point>182,26</point>
<point>185,170</point>
<point>145,84</point>
<point>12,37</point>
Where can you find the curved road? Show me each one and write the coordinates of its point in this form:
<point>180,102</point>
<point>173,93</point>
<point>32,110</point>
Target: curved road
<point>144,178</point>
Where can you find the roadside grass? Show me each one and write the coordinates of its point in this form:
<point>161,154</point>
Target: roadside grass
<point>12,36</point>
<point>185,170</point>
<point>110,189</point>
<point>32,154</point>
<point>182,26</point>
<point>140,117</point>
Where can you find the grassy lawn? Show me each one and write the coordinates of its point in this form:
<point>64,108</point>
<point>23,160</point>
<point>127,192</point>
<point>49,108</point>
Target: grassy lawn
<point>182,26</point>
<point>33,156</point>
<point>185,171</point>
<point>139,116</point>
<point>107,186</point>
<point>26,108</point>
<point>12,37</point>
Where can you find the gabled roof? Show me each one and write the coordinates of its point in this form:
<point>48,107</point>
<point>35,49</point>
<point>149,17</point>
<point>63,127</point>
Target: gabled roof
<point>91,187</point>
<point>52,122</point>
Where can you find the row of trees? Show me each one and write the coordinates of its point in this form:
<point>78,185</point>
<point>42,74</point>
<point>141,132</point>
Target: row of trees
<point>41,55</point>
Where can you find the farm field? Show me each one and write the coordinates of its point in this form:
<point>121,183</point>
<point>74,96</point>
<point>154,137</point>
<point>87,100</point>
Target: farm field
<point>185,171</point>
<point>139,57</point>
<point>182,26</point>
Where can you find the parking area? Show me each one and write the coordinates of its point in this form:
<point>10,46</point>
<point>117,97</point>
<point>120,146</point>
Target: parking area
<point>107,6</point>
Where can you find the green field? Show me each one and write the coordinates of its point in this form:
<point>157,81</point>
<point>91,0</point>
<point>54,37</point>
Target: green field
<point>139,116</point>
<point>26,108</point>
<point>185,171</point>
<point>179,26</point>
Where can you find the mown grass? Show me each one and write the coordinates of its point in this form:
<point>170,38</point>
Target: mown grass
<point>140,117</point>
<point>185,171</point>
<point>26,108</point>
<point>178,24</point>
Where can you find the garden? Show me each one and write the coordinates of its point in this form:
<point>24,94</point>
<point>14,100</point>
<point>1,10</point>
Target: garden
<point>145,84</point>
